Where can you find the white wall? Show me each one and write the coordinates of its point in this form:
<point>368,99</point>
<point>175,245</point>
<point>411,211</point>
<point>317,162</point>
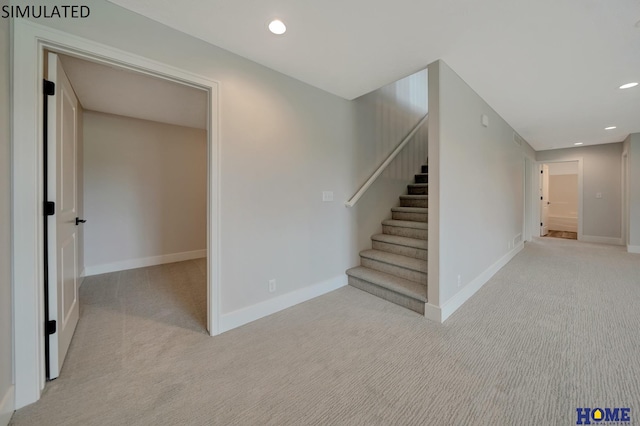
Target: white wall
<point>384,118</point>
<point>480,189</point>
<point>6,328</point>
<point>632,144</point>
<point>602,217</point>
<point>145,188</point>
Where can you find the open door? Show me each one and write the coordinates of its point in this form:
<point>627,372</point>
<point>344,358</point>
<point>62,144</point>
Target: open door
<point>544,200</point>
<point>62,222</point>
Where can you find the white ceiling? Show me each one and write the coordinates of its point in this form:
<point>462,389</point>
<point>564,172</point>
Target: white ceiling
<point>551,68</point>
<point>118,91</point>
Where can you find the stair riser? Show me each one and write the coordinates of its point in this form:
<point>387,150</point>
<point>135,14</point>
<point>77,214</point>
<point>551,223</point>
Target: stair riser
<point>401,250</point>
<point>404,202</point>
<point>391,296</point>
<point>414,217</point>
<point>420,190</point>
<point>420,234</point>
<point>421,179</point>
<point>398,271</point>
<point>425,169</point>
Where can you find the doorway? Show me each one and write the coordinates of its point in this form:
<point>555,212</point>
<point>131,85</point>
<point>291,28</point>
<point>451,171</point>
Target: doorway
<point>560,199</point>
<point>29,44</point>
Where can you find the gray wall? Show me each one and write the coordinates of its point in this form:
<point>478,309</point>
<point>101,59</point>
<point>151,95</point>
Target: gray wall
<point>602,169</point>
<point>479,181</point>
<point>6,333</point>
<point>632,143</point>
<point>145,190</point>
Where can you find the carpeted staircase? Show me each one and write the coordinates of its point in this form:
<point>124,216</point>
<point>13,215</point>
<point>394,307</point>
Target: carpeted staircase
<point>395,268</point>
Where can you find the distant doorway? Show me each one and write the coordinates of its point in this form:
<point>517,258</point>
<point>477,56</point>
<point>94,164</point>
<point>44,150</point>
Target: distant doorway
<point>560,200</point>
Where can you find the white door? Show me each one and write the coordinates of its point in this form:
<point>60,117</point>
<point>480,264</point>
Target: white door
<point>544,200</point>
<point>62,189</point>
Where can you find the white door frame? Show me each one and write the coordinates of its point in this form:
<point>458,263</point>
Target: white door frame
<point>536,204</point>
<point>29,42</point>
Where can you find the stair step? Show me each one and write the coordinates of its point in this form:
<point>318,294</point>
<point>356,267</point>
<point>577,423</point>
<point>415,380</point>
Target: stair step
<point>392,283</point>
<point>422,178</point>
<point>425,168</point>
<point>414,201</point>
<point>405,267</point>
<point>410,247</point>
<point>415,214</point>
<point>418,188</point>
<point>405,228</point>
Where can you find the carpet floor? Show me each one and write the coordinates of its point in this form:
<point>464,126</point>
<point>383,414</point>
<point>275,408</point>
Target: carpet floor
<point>555,329</point>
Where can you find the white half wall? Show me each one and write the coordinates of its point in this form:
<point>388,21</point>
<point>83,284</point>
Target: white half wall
<point>480,187</point>
<point>145,191</point>
<point>602,170</point>
<point>6,311</point>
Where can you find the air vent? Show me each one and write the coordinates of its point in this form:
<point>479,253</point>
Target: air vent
<point>517,139</point>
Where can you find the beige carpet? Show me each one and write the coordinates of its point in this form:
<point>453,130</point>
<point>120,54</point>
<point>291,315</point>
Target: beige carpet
<point>556,329</point>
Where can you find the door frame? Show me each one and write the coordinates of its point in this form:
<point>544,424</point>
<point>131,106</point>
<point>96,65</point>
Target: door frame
<point>30,40</point>
<point>536,203</point>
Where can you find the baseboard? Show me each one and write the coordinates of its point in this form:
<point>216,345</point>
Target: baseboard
<point>7,406</point>
<point>260,310</point>
<point>432,312</point>
<point>452,305</point>
<point>601,240</point>
<point>144,262</point>
<point>633,249</point>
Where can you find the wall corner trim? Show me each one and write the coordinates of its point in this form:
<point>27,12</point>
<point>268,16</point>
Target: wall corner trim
<point>7,406</point>
<point>252,313</point>
<point>143,262</point>
<point>470,289</point>
<point>633,249</point>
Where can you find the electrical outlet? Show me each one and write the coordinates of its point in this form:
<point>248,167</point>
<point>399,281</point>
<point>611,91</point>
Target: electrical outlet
<point>272,286</point>
<point>327,196</point>
<point>459,280</point>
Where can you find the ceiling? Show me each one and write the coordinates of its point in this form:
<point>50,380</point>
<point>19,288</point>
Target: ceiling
<point>133,94</point>
<point>550,68</point>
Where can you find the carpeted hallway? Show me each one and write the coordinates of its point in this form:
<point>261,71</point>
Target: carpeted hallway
<point>555,329</point>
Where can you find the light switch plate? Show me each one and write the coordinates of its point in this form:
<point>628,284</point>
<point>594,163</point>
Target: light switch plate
<point>327,196</point>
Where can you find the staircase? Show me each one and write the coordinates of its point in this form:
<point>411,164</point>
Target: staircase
<point>395,268</point>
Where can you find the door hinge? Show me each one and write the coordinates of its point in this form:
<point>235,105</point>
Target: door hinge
<point>540,223</point>
<point>51,327</point>
<point>541,198</point>
<point>49,208</point>
<point>541,171</point>
<point>49,88</point>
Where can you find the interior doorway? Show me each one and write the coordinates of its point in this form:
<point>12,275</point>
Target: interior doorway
<point>129,155</point>
<point>30,41</point>
<point>560,200</point>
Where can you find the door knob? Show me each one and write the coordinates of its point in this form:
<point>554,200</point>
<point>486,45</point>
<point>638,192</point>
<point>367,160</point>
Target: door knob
<point>79,221</point>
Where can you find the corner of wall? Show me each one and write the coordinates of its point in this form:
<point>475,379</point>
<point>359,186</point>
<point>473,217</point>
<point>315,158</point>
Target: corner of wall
<point>433,244</point>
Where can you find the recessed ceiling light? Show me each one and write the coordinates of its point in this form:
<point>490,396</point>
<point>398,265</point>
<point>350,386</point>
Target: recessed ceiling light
<point>629,85</point>
<point>578,143</point>
<point>610,128</point>
<point>277,27</point>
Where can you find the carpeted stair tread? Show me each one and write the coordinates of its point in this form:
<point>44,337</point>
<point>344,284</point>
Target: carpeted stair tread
<point>410,209</point>
<point>419,185</point>
<point>401,241</point>
<point>421,177</point>
<point>415,197</point>
<point>391,282</point>
<point>405,224</point>
<point>405,262</point>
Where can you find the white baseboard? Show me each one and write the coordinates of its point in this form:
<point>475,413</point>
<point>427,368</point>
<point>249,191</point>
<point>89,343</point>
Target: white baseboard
<point>432,312</point>
<point>452,305</point>
<point>144,262</point>
<point>7,406</point>
<point>601,240</point>
<point>633,249</point>
<point>260,310</point>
